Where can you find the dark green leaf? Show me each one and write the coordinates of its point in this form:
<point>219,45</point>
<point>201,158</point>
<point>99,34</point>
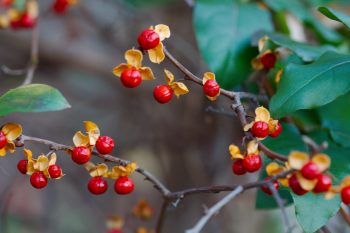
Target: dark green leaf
<point>313,211</point>
<point>311,86</point>
<point>340,166</point>
<point>32,98</point>
<point>307,120</point>
<point>305,51</point>
<point>287,141</point>
<point>335,15</point>
<point>335,117</point>
<point>223,31</point>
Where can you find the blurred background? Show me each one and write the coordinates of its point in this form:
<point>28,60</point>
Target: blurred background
<point>178,142</point>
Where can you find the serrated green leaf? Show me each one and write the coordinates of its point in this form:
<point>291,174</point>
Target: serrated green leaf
<point>335,15</point>
<point>223,31</point>
<point>32,98</point>
<point>313,211</point>
<point>313,85</point>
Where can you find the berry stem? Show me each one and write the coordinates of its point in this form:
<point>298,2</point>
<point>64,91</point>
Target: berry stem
<point>230,94</point>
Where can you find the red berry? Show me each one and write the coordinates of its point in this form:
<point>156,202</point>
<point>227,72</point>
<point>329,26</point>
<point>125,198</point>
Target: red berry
<point>260,129</point>
<point>97,185</point>
<point>131,78</point>
<point>55,171</point>
<point>22,166</point>
<point>15,24</point>
<point>81,154</point>
<point>163,93</point>
<point>295,185</point>
<point>268,60</point>
<point>123,185</point>
<point>310,171</point>
<point>324,183</point>
<point>277,131</point>
<point>38,180</point>
<point>252,163</point>
<point>104,145</point>
<point>148,39</point>
<point>238,167</point>
<point>3,140</point>
<point>60,6</point>
<point>5,3</point>
<point>26,21</point>
<point>266,188</point>
<point>345,195</point>
<point>114,231</point>
<point>211,88</point>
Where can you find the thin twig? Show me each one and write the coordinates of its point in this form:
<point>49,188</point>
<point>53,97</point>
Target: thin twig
<point>345,215</point>
<point>162,216</point>
<point>280,204</point>
<point>214,209</point>
<point>230,94</point>
<point>271,154</point>
<point>13,72</point>
<point>224,188</point>
<point>56,146</point>
<point>34,54</point>
<point>314,147</point>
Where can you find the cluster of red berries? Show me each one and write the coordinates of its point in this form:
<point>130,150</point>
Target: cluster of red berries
<point>38,179</point>
<point>131,77</point>
<point>60,6</point>
<point>310,171</point>
<point>82,154</point>
<point>260,129</point>
<point>98,185</point>
<point>25,21</point>
<point>250,163</point>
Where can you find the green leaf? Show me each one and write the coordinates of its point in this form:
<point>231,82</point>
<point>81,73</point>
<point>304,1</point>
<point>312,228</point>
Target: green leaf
<point>223,31</point>
<point>307,120</point>
<point>288,140</point>
<point>311,86</point>
<point>335,117</point>
<point>305,51</point>
<point>303,11</point>
<point>340,166</point>
<point>313,211</point>
<point>32,98</point>
<point>335,15</point>
<point>19,5</point>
